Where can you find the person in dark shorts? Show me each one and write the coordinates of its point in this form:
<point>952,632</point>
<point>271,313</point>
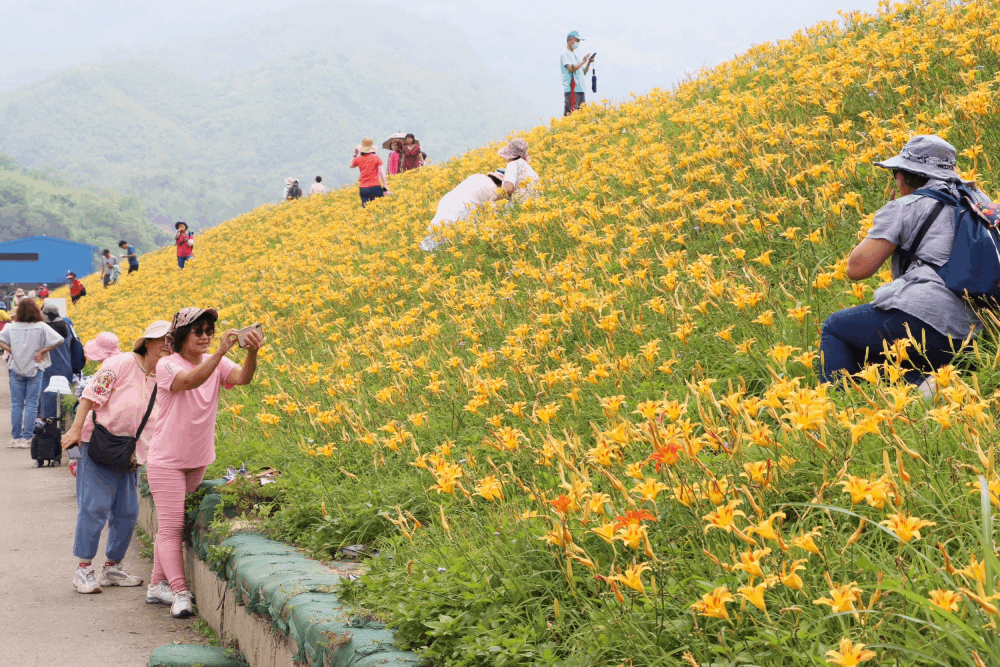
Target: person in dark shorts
<point>130,254</point>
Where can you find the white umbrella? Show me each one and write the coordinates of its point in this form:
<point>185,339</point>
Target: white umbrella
<point>399,136</point>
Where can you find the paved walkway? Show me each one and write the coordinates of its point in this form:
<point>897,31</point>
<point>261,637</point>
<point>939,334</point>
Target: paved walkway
<point>44,622</point>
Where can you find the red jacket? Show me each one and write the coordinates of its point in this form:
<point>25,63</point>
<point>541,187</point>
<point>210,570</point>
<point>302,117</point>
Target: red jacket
<point>183,249</point>
<point>75,287</point>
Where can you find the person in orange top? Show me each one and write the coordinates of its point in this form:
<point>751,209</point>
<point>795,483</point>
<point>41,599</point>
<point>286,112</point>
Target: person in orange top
<point>371,183</point>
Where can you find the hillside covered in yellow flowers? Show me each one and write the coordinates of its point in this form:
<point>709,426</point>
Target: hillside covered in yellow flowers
<point>589,431</point>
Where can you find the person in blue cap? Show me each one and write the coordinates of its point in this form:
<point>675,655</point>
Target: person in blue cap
<point>574,69</point>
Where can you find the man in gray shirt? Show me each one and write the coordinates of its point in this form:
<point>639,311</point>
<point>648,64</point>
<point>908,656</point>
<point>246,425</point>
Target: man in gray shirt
<point>916,302</point>
<point>108,264</point>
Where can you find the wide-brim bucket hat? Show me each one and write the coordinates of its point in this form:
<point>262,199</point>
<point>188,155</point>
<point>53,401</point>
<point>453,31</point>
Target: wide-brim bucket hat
<point>104,346</point>
<point>157,329</point>
<point>367,145</point>
<point>928,155</point>
<point>517,148</point>
<point>177,225</point>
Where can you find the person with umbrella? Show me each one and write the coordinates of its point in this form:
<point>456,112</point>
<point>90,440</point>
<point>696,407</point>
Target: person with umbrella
<point>572,78</point>
<point>394,144</point>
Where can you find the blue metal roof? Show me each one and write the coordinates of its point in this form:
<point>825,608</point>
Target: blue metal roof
<point>44,259</point>
<point>49,238</point>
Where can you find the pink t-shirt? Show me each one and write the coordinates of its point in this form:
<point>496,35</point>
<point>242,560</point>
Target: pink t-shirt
<point>185,430</point>
<point>120,392</point>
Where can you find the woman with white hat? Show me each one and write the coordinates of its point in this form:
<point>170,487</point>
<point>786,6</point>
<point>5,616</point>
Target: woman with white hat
<point>371,182</point>
<point>120,399</point>
<point>917,302</point>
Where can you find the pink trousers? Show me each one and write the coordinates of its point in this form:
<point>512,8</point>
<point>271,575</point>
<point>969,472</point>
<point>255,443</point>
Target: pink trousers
<point>170,486</point>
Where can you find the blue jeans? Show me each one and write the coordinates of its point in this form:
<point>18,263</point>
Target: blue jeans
<point>182,260</point>
<point>24,393</point>
<point>104,496</point>
<point>368,194</point>
<point>854,334</point>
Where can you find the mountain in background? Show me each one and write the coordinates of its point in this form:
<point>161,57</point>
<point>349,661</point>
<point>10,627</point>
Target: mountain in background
<point>207,129</point>
<point>34,202</point>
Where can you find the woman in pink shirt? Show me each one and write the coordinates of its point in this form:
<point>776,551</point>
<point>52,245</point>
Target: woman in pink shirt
<point>183,445</point>
<point>395,155</point>
<point>117,398</point>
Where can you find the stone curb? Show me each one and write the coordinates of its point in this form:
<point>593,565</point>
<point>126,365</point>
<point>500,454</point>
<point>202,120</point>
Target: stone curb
<point>265,638</point>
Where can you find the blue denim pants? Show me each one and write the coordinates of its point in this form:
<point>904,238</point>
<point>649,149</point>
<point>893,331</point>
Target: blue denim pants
<point>24,394</point>
<point>854,334</point>
<point>104,497</point>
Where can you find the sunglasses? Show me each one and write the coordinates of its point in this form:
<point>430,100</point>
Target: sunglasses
<point>204,330</point>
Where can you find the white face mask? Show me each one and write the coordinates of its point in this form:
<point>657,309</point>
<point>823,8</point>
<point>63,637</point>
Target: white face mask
<point>574,45</point>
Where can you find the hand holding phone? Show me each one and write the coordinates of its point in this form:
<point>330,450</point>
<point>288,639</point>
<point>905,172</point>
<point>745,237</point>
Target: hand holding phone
<point>243,334</point>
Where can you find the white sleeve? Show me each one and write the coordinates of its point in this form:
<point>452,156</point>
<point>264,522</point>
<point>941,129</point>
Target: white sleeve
<point>511,175</point>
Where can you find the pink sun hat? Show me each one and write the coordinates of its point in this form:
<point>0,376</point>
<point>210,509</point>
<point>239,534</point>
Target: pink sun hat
<point>517,148</point>
<point>103,347</point>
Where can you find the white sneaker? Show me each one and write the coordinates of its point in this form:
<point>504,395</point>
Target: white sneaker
<point>183,605</point>
<point>117,576</point>
<point>84,580</point>
<point>20,443</point>
<point>159,594</point>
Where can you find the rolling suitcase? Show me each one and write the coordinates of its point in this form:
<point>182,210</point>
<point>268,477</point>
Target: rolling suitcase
<point>46,442</point>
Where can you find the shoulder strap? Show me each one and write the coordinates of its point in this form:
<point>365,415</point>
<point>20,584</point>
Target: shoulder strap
<point>149,411</point>
<point>906,257</point>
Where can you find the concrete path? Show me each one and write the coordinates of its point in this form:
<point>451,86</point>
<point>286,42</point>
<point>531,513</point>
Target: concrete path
<point>44,622</point>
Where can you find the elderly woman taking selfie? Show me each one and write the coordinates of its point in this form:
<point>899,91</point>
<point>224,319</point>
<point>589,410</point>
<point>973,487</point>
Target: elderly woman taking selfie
<point>189,382</point>
<point>119,400</point>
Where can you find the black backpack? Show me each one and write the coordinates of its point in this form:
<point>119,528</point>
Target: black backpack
<point>77,358</point>
<point>295,192</point>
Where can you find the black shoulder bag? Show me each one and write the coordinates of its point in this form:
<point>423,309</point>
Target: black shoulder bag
<point>116,451</point>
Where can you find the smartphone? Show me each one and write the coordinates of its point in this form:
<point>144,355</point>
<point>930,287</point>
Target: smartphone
<point>241,335</point>
<point>74,452</point>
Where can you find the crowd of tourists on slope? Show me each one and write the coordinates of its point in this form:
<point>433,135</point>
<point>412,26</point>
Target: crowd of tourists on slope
<point>405,154</point>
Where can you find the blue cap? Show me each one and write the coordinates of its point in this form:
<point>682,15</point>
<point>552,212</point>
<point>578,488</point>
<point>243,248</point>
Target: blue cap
<point>574,34</point>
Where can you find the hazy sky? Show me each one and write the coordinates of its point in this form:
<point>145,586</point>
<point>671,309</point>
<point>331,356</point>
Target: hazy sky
<point>640,45</point>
